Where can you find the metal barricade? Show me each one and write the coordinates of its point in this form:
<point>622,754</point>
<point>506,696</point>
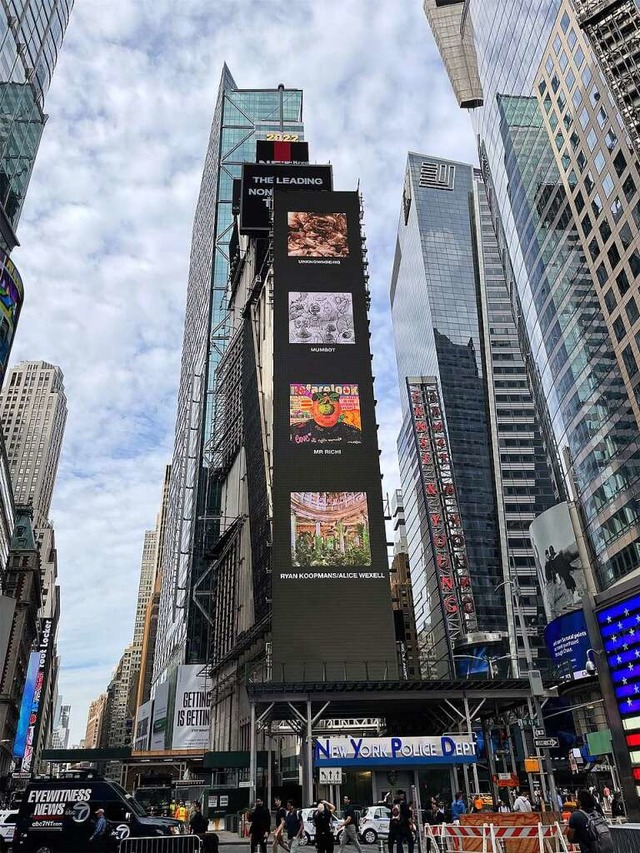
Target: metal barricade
<point>494,838</point>
<point>162,844</point>
<point>626,837</point>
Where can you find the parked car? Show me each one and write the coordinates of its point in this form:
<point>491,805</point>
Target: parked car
<point>8,819</point>
<point>374,823</point>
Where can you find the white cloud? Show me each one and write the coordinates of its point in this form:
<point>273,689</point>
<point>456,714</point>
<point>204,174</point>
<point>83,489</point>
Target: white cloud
<point>106,235</point>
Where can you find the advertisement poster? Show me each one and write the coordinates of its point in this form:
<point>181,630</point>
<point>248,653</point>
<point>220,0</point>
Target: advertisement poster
<point>160,722</point>
<point>569,647</point>
<point>260,180</point>
<point>320,318</point>
<point>325,415</point>
<point>11,297</point>
<point>192,714</point>
<point>330,529</point>
<point>142,734</point>
<point>559,567</point>
<point>20,741</point>
<point>317,235</point>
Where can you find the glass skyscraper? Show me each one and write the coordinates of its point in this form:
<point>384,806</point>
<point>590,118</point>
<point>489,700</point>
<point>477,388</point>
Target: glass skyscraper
<point>193,524</point>
<point>564,184</point>
<point>31,33</point>
<point>452,321</point>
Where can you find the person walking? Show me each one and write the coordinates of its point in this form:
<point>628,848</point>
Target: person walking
<point>294,826</point>
<point>181,812</point>
<point>278,832</point>
<point>260,825</point>
<point>98,840</point>
<point>322,820</point>
<point>406,824</point>
<point>617,806</point>
<point>522,803</point>
<point>394,826</point>
<point>198,822</point>
<point>588,827</point>
<point>458,807</point>
<point>350,830</point>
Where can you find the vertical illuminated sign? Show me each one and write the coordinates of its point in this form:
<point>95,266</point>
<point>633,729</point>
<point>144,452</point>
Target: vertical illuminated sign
<point>11,298</point>
<point>445,524</point>
<point>620,631</point>
<point>332,614</point>
<point>20,741</point>
<point>42,654</point>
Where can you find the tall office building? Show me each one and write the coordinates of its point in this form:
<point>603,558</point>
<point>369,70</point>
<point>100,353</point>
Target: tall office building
<point>194,514</point>
<point>472,463</point>
<point>563,180</point>
<point>146,584</point>
<point>33,409</point>
<point>60,733</point>
<point>119,711</point>
<point>93,734</point>
<point>150,626</point>
<point>402,595</point>
<point>31,34</point>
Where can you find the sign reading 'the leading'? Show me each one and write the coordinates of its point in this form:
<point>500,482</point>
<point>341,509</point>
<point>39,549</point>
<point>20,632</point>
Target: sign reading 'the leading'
<point>259,180</point>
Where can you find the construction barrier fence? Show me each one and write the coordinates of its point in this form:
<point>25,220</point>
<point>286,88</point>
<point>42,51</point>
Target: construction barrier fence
<point>162,844</point>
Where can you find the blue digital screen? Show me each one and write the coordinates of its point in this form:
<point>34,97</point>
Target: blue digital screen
<point>20,741</point>
<point>620,630</point>
<point>569,646</point>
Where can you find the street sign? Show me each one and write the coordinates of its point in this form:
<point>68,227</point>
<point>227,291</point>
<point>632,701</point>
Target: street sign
<point>539,731</point>
<point>244,784</point>
<point>546,742</point>
<point>330,775</point>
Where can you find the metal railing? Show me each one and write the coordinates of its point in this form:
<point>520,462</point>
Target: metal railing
<point>162,844</point>
<point>626,838</point>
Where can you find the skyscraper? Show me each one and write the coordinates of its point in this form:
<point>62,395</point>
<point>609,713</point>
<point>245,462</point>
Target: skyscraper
<point>146,584</point>
<point>33,409</point>
<point>31,34</point>
<point>194,514</point>
<point>563,179</point>
<point>93,734</point>
<point>458,357</point>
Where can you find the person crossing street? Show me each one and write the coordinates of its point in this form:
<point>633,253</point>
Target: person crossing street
<point>350,830</point>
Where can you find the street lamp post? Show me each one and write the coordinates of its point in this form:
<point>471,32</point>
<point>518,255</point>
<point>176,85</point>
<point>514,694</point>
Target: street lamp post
<point>534,700</point>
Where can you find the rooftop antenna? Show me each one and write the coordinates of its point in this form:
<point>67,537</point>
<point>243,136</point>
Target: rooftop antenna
<point>281,90</point>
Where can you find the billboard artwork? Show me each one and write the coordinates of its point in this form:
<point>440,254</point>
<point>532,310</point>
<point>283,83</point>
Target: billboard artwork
<point>327,415</point>
<point>329,551</point>
<point>569,646</point>
<point>560,570</point>
<point>160,721</point>
<point>330,529</point>
<point>321,318</point>
<point>192,709</point>
<point>317,235</point>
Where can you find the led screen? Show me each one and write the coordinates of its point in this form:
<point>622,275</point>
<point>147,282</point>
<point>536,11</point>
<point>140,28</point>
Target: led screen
<point>329,552</point>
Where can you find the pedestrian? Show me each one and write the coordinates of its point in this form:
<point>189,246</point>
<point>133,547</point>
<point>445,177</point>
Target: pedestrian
<point>100,832</point>
<point>278,832</point>
<point>294,826</point>
<point>350,829</point>
<point>560,801</point>
<point>406,824</point>
<point>617,806</point>
<point>322,820</point>
<point>588,827</point>
<point>433,819</point>
<point>394,826</point>
<point>198,822</point>
<point>478,804</point>
<point>260,825</point>
<point>173,807</point>
<point>458,807</point>
<point>181,812</point>
<point>522,803</point>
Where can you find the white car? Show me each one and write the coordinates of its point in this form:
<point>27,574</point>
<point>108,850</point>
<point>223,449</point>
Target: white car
<point>374,823</point>
<point>8,819</point>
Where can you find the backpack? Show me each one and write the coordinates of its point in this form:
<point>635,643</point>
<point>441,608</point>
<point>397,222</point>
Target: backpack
<point>599,834</point>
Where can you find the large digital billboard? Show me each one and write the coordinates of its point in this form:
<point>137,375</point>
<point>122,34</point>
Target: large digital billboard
<point>160,718</point>
<point>261,180</point>
<point>11,298</point>
<point>20,742</point>
<point>560,570</point>
<point>330,579</point>
<point>46,640</point>
<point>569,645</point>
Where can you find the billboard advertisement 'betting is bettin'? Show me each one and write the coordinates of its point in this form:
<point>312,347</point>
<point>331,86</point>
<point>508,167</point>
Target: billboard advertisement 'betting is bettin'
<point>330,582</point>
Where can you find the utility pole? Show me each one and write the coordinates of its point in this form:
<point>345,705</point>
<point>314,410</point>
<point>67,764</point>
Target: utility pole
<point>534,702</point>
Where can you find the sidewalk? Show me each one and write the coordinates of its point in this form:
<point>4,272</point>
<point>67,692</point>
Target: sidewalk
<point>228,838</point>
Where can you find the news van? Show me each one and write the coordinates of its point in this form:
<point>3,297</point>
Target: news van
<point>59,815</point>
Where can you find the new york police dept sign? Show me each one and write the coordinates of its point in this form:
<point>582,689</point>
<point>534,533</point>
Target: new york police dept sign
<point>394,751</point>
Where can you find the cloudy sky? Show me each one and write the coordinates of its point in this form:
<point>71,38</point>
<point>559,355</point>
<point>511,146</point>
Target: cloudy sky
<point>106,230</point>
